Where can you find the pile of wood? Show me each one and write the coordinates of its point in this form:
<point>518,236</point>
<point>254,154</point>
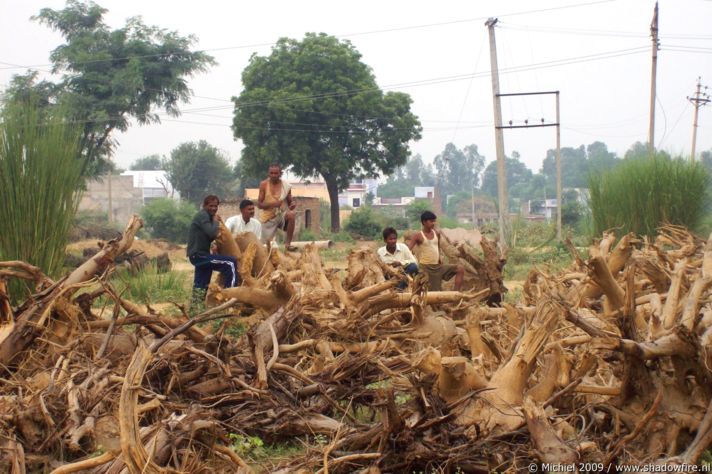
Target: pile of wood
<point>607,363</point>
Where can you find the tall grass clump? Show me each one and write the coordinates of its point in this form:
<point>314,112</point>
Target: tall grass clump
<point>641,193</point>
<point>40,175</point>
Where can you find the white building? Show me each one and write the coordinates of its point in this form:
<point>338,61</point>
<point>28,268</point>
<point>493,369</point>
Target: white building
<point>355,194</point>
<point>153,184</point>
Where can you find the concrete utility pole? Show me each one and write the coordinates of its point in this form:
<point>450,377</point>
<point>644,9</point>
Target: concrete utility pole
<point>700,99</point>
<point>653,76</point>
<point>498,136</point>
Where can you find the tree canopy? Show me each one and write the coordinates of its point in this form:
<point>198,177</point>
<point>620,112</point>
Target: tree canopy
<point>517,174</point>
<point>112,76</point>
<point>404,179</point>
<point>148,163</point>
<point>314,106</point>
<point>458,170</point>
<point>198,169</point>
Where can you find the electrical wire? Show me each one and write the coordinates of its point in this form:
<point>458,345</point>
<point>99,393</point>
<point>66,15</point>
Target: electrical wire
<point>380,31</point>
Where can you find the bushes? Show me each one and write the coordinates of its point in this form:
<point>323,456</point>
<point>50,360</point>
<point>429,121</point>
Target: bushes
<point>364,222</point>
<point>168,219</point>
<point>40,172</point>
<point>641,193</point>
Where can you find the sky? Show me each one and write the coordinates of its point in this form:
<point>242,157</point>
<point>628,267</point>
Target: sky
<point>596,53</point>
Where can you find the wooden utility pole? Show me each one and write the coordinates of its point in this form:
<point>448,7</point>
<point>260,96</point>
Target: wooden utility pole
<point>110,204</point>
<point>700,99</point>
<point>559,200</point>
<point>653,77</point>
<point>498,136</point>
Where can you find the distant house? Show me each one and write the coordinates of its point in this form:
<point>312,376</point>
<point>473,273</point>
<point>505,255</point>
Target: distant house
<point>424,192</point>
<point>355,194</point>
<point>153,185</point>
<point>119,194</point>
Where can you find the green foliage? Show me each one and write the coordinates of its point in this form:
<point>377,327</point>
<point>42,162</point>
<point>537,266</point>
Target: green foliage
<point>416,208</point>
<point>307,235</point>
<point>358,131</point>
<point>255,449</point>
<point>91,224</point>
<point>458,170</point>
<point>364,223</point>
<point>404,179</point>
<point>150,286</point>
<point>245,179</point>
<point>168,219</point>
<point>147,163</point>
<point>517,174</point>
<point>110,77</point>
<point>341,236</point>
<point>198,169</point>
<point>40,172</point>
<point>641,194</point>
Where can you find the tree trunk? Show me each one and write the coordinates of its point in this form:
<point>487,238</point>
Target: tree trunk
<point>333,189</point>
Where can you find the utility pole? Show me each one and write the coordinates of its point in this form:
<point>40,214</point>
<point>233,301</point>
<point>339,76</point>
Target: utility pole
<point>700,99</point>
<point>111,204</point>
<point>653,77</point>
<point>559,200</point>
<point>498,136</point>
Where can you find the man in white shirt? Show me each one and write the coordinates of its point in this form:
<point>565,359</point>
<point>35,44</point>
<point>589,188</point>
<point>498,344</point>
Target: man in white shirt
<point>397,255</point>
<point>245,221</point>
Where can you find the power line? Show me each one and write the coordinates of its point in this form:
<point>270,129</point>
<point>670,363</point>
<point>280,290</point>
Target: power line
<point>379,31</point>
<point>590,32</point>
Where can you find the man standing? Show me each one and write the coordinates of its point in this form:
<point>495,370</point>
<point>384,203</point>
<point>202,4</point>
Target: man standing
<point>277,206</point>
<point>427,248</point>
<point>397,255</point>
<point>245,221</point>
<point>203,230</point>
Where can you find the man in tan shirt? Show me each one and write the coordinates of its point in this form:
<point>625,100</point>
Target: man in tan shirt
<point>276,206</point>
<point>426,246</point>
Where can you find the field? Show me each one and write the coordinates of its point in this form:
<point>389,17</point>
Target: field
<point>315,364</point>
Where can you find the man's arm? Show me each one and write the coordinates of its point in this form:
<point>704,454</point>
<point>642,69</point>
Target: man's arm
<point>409,257</point>
<point>415,240</point>
<point>208,225</point>
<point>290,202</point>
<point>261,196</point>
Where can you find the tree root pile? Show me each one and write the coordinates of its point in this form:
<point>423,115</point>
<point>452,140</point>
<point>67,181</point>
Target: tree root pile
<point>606,363</point>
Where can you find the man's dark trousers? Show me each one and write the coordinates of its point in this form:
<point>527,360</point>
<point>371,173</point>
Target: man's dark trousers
<point>206,264</point>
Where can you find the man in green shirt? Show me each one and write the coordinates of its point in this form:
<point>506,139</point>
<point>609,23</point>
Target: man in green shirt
<point>203,230</point>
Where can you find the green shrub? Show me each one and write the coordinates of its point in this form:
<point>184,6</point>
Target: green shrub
<point>641,193</point>
<point>40,172</point>
<point>364,223</point>
<point>307,235</point>
<point>341,236</point>
<point>168,219</point>
<point>92,225</point>
<point>416,208</point>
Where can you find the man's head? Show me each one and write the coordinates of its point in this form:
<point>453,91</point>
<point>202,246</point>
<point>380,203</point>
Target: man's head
<point>247,209</point>
<point>390,237</point>
<point>274,172</point>
<point>428,219</point>
<point>210,204</point>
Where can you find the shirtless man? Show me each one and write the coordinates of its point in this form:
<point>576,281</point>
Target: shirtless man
<point>276,206</point>
<point>426,246</point>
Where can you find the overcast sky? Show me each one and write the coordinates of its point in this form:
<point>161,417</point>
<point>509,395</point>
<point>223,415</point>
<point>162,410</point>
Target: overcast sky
<point>597,53</point>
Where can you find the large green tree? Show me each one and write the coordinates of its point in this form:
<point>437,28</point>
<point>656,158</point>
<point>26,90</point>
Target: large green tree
<point>112,76</point>
<point>458,170</point>
<point>517,175</point>
<point>198,169</point>
<point>314,106</point>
